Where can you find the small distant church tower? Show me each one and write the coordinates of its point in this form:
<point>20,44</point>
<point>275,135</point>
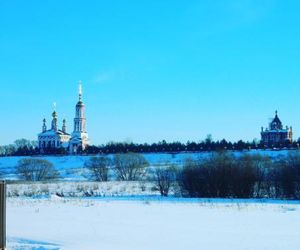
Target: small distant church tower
<point>79,138</point>
<point>276,135</point>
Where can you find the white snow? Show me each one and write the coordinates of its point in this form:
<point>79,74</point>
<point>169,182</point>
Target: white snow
<point>151,224</point>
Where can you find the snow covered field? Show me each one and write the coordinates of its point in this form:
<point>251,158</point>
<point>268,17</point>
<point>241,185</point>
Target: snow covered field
<point>132,216</point>
<point>152,224</point>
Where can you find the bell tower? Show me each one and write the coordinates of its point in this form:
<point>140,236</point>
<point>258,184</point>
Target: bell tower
<point>79,138</point>
<point>80,120</point>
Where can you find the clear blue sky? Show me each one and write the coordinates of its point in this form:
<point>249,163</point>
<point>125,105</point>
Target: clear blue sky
<point>152,70</point>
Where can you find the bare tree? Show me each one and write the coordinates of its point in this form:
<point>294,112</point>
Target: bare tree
<point>130,166</point>
<point>36,170</point>
<point>165,177</point>
<point>99,167</point>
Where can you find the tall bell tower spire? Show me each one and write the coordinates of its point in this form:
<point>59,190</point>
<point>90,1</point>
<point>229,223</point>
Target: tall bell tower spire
<point>80,90</point>
<point>80,120</point>
<point>79,136</point>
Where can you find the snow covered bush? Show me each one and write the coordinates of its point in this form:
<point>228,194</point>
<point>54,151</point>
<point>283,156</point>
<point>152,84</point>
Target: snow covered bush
<point>30,169</point>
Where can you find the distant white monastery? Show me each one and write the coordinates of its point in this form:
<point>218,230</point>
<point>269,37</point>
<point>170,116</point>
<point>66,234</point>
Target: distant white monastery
<point>56,138</point>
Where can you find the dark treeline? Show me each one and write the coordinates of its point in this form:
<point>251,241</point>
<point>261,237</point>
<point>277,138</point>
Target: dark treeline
<point>177,147</point>
<point>25,147</point>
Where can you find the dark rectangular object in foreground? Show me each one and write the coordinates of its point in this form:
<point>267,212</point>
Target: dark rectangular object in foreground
<point>2,215</point>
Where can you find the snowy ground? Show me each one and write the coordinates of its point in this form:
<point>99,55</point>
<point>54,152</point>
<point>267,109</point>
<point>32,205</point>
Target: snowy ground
<point>152,224</point>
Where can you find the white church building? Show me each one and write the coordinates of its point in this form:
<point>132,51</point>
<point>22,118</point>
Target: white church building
<point>55,138</point>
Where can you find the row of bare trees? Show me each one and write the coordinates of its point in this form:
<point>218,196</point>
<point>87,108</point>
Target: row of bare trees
<point>121,167</point>
<point>220,175</point>
<point>125,167</point>
<point>132,167</point>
